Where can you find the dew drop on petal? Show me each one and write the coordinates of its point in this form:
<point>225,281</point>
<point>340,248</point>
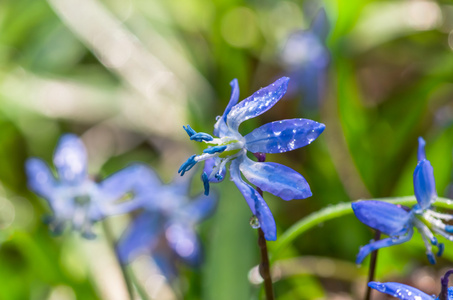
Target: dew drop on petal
<point>254,222</point>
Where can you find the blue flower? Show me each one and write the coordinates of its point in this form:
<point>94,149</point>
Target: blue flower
<point>306,57</point>
<point>398,222</point>
<point>166,227</point>
<point>75,198</point>
<point>275,137</point>
<point>402,291</point>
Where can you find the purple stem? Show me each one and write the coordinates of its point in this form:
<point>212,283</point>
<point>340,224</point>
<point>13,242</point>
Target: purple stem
<point>373,261</point>
<point>444,286</point>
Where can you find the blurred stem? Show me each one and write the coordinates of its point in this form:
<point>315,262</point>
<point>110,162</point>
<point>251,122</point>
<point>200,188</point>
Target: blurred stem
<point>264,267</point>
<point>111,240</point>
<point>335,211</point>
<point>372,270</point>
<point>140,290</point>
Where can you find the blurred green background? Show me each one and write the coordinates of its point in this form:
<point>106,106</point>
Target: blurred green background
<point>125,75</point>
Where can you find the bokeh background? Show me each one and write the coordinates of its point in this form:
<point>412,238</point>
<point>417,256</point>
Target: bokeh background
<point>125,75</point>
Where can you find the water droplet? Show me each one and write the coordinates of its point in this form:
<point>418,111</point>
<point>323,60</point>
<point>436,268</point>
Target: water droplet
<point>254,222</point>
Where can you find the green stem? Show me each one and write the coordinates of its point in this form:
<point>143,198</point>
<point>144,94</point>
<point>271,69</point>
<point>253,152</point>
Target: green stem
<point>335,211</point>
<point>109,236</point>
<point>139,288</point>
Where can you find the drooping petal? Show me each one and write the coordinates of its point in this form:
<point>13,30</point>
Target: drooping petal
<point>320,25</point>
<point>421,154</point>
<point>256,104</point>
<point>275,178</point>
<point>136,179</point>
<point>399,290</point>
<point>256,203</point>
<point>184,242</point>
<point>141,237</point>
<point>394,240</point>
<point>266,219</point>
<point>383,216</point>
<point>424,184</point>
<point>70,159</point>
<point>220,128</point>
<point>40,178</point>
<point>282,136</point>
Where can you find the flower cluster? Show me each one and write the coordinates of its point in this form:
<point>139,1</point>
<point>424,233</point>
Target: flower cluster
<point>275,137</point>
<point>398,222</point>
<point>73,196</point>
<point>166,227</point>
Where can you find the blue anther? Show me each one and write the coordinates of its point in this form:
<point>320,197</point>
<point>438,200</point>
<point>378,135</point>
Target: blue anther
<point>449,228</point>
<point>187,165</point>
<point>434,241</point>
<point>441,248</point>
<point>189,130</point>
<point>205,179</point>
<point>215,149</point>
<point>431,258</point>
<point>218,176</point>
<point>201,136</point>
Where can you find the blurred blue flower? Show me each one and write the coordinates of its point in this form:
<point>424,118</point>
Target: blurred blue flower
<point>306,57</point>
<point>275,137</point>
<point>398,222</point>
<point>167,223</point>
<point>75,198</point>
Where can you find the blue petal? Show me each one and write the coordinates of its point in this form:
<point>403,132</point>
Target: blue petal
<point>367,249</point>
<point>199,209</point>
<point>421,154</point>
<point>234,98</point>
<point>220,128</point>
<point>70,159</point>
<point>136,178</point>
<point>40,178</point>
<point>424,184</point>
<point>399,290</point>
<point>256,203</point>
<point>282,136</point>
<point>257,104</point>
<point>209,165</point>
<point>184,242</point>
<point>275,178</point>
<point>140,237</point>
<point>385,217</point>
<point>320,25</point>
